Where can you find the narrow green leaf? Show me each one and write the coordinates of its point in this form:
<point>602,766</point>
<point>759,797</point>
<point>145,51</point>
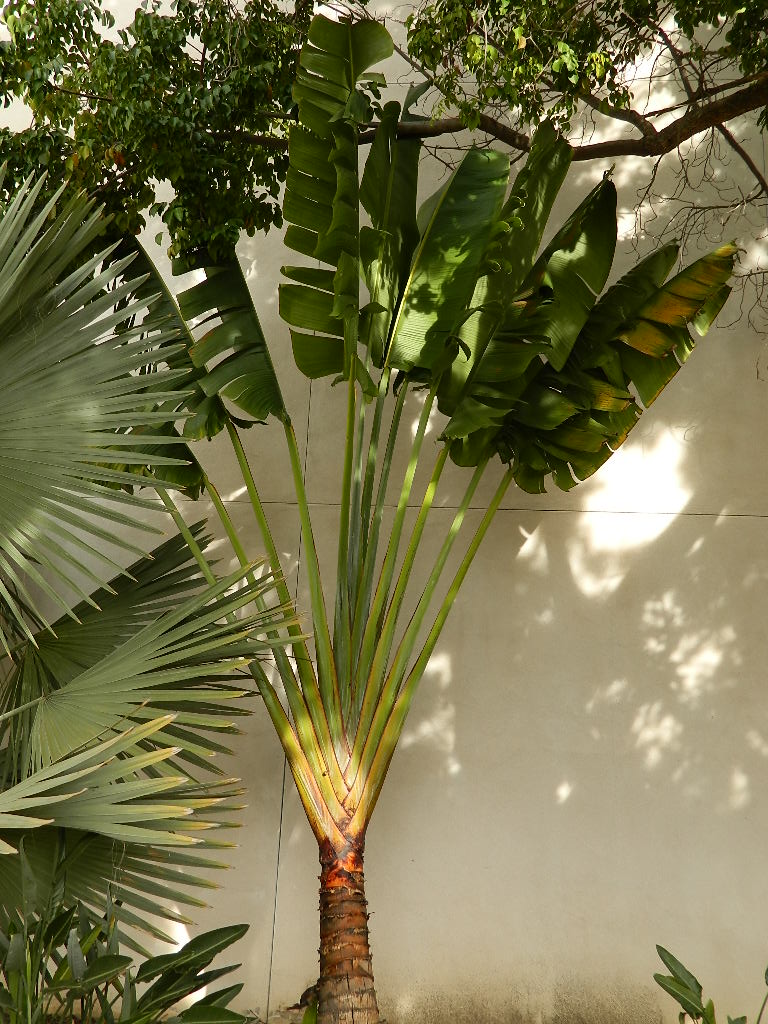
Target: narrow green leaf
<point>211,1015</point>
<point>689,1001</point>
<point>197,953</point>
<point>679,971</point>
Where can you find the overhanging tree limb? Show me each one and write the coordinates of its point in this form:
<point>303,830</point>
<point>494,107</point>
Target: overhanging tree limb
<point>693,122</point>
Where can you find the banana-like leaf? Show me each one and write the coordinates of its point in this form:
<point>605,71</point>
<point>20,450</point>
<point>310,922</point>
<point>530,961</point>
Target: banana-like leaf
<point>203,415</point>
<point>576,265</point>
<point>388,193</point>
<point>695,295</point>
<point>567,424</point>
<point>524,217</point>
<point>322,192</point>
<point>72,404</point>
<point>528,207</point>
<point>527,312</point>
<point>544,377</point>
<point>622,301</point>
<point>456,225</point>
<point>242,372</point>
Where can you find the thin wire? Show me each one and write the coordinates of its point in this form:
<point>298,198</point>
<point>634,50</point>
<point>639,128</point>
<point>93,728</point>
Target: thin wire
<point>562,511</point>
<point>274,905</point>
<point>285,761</point>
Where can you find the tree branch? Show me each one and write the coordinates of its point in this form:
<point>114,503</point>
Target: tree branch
<point>632,117</point>
<point>750,163</point>
<point>81,94</point>
<point>693,122</point>
<point>723,131</point>
<point>450,125</point>
<point>272,143</point>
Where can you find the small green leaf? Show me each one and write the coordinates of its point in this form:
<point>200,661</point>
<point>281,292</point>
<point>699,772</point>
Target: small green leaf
<point>679,971</point>
<point>689,1001</point>
<point>198,952</point>
<point>211,1015</point>
<point>16,955</point>
<point>129,998</point>
<point>310,1014</point>
<point>75,958</point>
<point>104,968</point>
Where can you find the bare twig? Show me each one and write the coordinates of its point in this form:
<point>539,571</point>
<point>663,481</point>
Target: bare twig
<point>750,163</point>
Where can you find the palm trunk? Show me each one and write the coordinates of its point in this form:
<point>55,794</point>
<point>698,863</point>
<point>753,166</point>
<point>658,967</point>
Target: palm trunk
<point>345,990</point>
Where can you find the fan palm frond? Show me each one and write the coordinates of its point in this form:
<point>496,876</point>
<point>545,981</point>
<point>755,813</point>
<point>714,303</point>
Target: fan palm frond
<point>70,382</point>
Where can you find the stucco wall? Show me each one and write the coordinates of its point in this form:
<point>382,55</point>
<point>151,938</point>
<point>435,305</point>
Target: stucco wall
<point>584,771</point>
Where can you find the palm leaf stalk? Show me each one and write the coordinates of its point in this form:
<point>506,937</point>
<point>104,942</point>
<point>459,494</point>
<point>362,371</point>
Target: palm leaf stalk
<point>507,345</point>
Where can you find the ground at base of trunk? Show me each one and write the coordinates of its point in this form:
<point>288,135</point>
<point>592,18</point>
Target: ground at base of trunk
<point>289,1015</point>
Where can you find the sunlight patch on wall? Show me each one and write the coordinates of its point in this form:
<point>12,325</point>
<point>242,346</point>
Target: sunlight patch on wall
<point>757,742</point>
<point>638,496</point>
<point>694,549</point>
<point>756,252</point>
<point>438,729</point>
<point>534,551</point>
<point>661,95</point>
<point>656,732</point>
<point>259,281</point>
<point>545,617</point>
<point>698,657</point>
<point>439,668</point>
<point>433,414</point>
<point>662,614</point>
<point>739,794</point>
<point>610,695</point>
<point>593,577</point>
<point>239,493</point>
<point>563,791</point>
<point>626,225</point>
<point>643,478</point>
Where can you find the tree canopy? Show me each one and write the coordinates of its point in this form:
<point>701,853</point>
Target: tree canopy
<point>545,59</point>
<point>682,83</point>
<point>197,97</point>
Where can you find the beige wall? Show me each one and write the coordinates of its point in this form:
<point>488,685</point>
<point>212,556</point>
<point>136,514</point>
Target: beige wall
<point>584,771</point>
